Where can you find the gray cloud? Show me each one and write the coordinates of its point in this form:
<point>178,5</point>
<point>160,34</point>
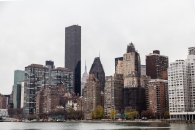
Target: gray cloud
<point>33,31</point>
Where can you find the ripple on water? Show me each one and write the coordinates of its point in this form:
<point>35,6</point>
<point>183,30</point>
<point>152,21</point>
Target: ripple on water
<point>93,126</point>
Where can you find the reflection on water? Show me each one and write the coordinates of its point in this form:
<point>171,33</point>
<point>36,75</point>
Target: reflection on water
<point>94,126</point>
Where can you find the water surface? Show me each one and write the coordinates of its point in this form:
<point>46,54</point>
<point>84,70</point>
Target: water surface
<point>93,126</point>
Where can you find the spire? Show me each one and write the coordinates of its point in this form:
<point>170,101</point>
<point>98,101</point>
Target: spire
<point>85,67</point>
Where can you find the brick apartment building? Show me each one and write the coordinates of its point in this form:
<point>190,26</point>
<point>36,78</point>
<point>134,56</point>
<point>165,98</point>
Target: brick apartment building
<point>92,96</point>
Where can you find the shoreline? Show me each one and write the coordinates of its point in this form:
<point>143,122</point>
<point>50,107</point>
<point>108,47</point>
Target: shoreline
<point>109,121</point>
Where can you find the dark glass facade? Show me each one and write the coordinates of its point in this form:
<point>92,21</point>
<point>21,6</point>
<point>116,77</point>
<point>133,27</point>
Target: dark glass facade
<point>18,98</point>
<point>50,63</point>
<point>134,99</point>
<point>98,71</point>
<point>73,54</point>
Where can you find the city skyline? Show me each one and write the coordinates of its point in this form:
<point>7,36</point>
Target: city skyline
<point>37,33</point>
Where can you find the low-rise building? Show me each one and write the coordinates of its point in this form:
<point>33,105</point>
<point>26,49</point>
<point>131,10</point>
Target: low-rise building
<point>3,112</point>
<point>3,102</point>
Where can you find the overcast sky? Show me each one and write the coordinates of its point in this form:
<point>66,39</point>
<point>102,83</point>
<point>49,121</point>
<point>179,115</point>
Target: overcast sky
<point>33,31</point>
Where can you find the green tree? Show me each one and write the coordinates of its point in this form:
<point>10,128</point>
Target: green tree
<point>131,115</point>
<point>135,114</point>
<point>112,114</point>
<point>98,113</point>
<point>166,114</point>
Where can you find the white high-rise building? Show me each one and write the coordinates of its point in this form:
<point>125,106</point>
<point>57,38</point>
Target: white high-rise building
<point>181,87</point>
<point>178,89</point>
<point>190,69</point>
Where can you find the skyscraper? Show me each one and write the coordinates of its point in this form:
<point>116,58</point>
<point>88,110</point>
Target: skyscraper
<point>156,64</point>
<point>84,79</point>
<point>133,92</point>
<point>98,70</point>
<point>131,67</point>
<point>18,78</point>
<point>113,98</point>
<point>181,87</point>
<point>92,97</point>
<point>36,77</point>
<point>73,54</point>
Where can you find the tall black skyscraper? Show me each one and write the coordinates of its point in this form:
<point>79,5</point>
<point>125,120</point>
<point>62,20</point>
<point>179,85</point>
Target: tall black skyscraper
<point>73,54</point>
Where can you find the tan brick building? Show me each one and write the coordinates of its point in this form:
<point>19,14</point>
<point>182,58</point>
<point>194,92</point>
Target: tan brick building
<point>113,96</point>
<point>130,67</point>
<point>144,80</point>
<point>119,67</point>
<point>92,95</point>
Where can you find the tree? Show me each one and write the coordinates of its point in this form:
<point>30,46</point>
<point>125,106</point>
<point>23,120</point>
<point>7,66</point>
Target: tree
<point>131,115</point>
<point>147,113</point>
<point>166,114</point>
<point>112,114</point>
<point>15,112</point>
<point>98,113</point>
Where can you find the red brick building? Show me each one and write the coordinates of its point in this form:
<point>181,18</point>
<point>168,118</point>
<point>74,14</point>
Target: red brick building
<point>3,102</point>
<point>47,99</point>
<point>157,96</point>
<point>156,64</point>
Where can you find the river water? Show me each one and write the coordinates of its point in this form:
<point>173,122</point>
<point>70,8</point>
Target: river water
<point>93,126</point>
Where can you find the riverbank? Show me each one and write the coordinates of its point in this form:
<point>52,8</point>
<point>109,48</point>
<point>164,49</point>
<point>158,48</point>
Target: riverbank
<point>108,121</point>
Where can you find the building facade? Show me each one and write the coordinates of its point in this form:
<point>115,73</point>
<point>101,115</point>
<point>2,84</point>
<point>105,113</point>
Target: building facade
<point>144,80</point>
<point>181,75</point>
<point>98,71</point>
<point>92,96</point>
<point>131,67</point>
<point>85,76</point>
<point>47,99</point>
<point>3,102</point>
<point>20,94</point>
<point>62,76</point>
<point>157,97</point>
<point>119,67</point>
<point>116,61</point>
<point>179,96</point>
<point>143,69</point>
<point>134,99</point>
<point>113,96</point>
<point>156,64</point>
<point>133,92</point>
<point>36,77</point>
<point>18,78</point>
<point>73,54</point>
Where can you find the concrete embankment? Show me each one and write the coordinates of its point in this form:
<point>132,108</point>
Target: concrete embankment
<point>114,121</point>
<point>179,121</point>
